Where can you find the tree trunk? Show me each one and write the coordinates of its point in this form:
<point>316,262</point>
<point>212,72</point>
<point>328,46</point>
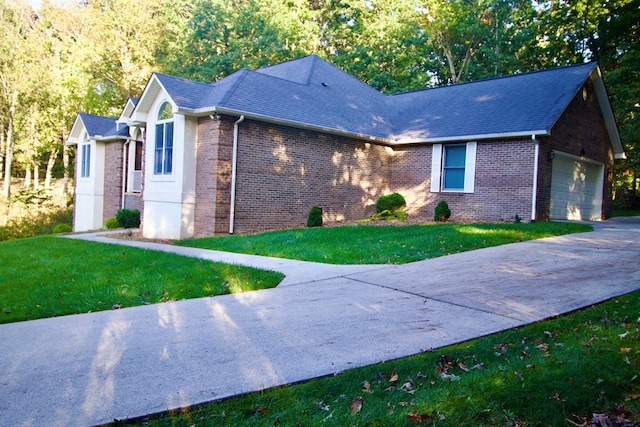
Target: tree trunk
<point>36,182</point>
<point>2,149</point>
<point>8,160</point>
<point>27,176</point>
<point>53,155</point>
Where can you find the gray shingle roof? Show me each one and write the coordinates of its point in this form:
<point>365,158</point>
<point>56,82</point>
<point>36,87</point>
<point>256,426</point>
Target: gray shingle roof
<point>312,92</point>
<point>516,104</point>
<point>104,127</point>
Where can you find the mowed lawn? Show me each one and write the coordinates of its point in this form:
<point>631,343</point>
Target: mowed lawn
<point>383,244</point>
<point>51,276</point>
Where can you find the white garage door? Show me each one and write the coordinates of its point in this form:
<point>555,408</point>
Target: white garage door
<point>576,188</point>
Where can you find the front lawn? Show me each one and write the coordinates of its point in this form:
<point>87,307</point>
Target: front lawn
<point>383,244</point>
<point>50,276</point>
<point>582,369</point>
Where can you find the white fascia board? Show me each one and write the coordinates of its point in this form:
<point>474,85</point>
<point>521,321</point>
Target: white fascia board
<point>607,113</point>
<point>76,131</point>
<point>506,135</point>
<point>149,94</point>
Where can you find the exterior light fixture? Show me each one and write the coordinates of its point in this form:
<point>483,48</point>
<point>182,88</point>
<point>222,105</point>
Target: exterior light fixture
<point>214,116</point>
<point>552,154</point>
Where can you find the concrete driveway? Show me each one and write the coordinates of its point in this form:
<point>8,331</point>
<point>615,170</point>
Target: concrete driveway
<point>93,368</point>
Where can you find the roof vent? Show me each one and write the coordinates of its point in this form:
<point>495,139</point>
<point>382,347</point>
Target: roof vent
<point>325,84</point>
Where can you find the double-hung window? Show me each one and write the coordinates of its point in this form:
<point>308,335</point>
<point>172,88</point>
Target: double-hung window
<point>163,158</point>
<point>453,167</point>
<point>85,160</point>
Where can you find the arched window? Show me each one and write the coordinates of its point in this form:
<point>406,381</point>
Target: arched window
<point>163,162</point>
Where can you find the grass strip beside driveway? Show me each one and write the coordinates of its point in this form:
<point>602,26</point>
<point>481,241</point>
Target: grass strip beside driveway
<point>48,276</point>
<point>383,244</point>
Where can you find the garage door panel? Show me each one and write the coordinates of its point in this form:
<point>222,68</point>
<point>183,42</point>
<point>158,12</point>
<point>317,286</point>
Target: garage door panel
<point>576,189</point>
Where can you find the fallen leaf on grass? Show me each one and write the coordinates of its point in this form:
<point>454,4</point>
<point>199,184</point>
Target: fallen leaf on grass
<point>356,405</point>
<point>451,377</point>
<point>625,350</point>
<point>394,376</point>
<point>418,418</point>
<point>261,409</point>
<point>366,387</point>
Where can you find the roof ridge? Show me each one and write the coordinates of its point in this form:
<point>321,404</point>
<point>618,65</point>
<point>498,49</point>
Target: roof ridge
<point>244,72</point>
<point>488,79</point>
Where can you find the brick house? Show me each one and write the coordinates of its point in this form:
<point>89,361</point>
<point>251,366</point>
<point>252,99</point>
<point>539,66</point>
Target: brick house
<point>257,149</point>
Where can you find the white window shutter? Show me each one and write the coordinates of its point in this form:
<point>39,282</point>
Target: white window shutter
<point>470,168</point>
<point>436,167</point>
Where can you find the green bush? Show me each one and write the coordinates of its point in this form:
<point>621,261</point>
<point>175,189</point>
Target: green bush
<point>442,212</point>
<point>390,202</point>
<point>61,228</point>
<point>315,217</point>
<point>112,223</point>
<point>128,218</point>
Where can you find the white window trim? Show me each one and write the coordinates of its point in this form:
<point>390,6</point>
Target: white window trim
<point>469,169</point>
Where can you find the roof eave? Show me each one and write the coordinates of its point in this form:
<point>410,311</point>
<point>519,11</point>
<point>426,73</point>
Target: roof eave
<point>202,112</point>
<point>457,138</point>
<point>607,113</point>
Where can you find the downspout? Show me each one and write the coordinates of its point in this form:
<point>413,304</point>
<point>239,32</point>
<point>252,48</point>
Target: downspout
<point>234,167</point>
<point>124,172</point>
<point>536,156</point>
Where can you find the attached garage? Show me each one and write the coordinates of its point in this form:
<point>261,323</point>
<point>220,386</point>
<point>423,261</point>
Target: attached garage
<point>576,188</point>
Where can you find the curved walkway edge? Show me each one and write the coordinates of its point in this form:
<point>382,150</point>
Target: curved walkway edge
<point>90,369</point>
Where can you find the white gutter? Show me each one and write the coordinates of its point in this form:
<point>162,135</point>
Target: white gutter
<point>536,157</point>
<point>234,167</point>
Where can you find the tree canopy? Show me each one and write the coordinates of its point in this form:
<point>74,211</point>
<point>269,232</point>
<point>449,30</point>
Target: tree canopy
<point>62,57</point>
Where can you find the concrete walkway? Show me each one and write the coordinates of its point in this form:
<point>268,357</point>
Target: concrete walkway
<point>93,368</point>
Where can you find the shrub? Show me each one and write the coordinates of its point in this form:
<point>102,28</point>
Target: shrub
<point>315,217</point>
<point>128,218</point>
<point>112,223</point>
<point>442,212</point>
<point>61,228</point>
<point>390,202</point>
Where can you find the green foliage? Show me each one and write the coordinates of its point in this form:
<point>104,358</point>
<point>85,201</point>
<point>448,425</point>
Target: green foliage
<point>61,228</point>
<point>443,213</point>
<point>390,202</point>
<point>559,372</point>
<point>366,244</point>
<point>315,217</point>
<point>128,218</point>
<point>34,225</point>
<point>41,277</point>
<point>400,215</point>
<point>112,223</point>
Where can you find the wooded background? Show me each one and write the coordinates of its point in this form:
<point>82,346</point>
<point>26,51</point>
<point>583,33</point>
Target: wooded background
<point>64,57</point>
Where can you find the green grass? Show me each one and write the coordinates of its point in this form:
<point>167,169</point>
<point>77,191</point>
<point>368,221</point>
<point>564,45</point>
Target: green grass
<point>369,244</point>
<point>625,212</point>
<point>553,373</point>
<point>50,276</point>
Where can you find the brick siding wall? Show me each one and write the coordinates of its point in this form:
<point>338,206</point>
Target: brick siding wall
<point>580,127</point>
<point>281,174</point>
<point>112,180</point>
<point>213,176</point>
<point>503,182</point>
